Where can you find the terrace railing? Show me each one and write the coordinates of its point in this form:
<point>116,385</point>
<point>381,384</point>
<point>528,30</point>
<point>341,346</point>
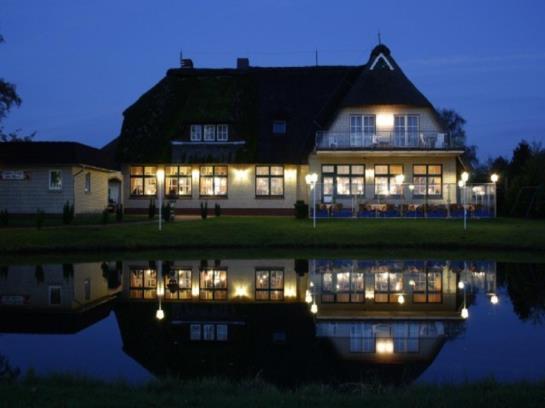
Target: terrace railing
<point>403,201</point>
<point>425,140</point>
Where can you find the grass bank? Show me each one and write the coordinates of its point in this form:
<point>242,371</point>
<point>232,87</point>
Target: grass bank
<point>73,392</point>
<point>281,232</point>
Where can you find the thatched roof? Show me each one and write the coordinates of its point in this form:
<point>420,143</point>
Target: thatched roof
<point>249,99</point>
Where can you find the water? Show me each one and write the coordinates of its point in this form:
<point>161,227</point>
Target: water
<point>288,321</point>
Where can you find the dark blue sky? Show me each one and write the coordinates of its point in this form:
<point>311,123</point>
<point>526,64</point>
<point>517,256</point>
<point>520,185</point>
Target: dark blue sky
<point>79,64</point>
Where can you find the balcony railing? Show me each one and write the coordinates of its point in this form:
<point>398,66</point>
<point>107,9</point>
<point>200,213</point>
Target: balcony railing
<point>380,140</point>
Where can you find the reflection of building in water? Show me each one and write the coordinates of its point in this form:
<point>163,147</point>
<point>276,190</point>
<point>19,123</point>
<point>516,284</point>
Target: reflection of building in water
<point>56,298</point>
<point>241,317</point>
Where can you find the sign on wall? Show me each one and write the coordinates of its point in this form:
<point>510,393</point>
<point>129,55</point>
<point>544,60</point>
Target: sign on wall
<point>14,175</point>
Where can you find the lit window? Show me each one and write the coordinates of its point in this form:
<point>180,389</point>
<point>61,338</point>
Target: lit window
<point>279,127</point>
<point>343,179</point>
<point>223,133</point>
<point>213,284</point>
<point>55,180</point>
<point>385,179</point>
<point>178,181</point>
<point>213,181</point>
<point>143,283</point>
<point>209,133</point>
<point>143,180</point>
<point>196,133</point>
<point>87,186</point>
<point>428,180</point>
<point>343,287</point>
<point>269,284</point>
<point>269,181</point>
<point>178,284</point>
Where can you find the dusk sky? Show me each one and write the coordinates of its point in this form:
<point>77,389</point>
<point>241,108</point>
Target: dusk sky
<point>78,64</point>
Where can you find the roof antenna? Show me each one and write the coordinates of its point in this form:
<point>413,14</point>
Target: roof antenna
<point>181,56</point>
<point>316,56</point>
<point>379,39</point>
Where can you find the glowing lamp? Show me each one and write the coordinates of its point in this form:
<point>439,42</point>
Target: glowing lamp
<point>461,183</point>
<point>160,176</point>
<point>400,178</point>
<point>385,120</point>
<point>411,187</point>
<point>465,313</point>
<point>461,285</point>
<point>494,178</point>
<point>465,176</point>
<point>412,282</point>
<point>240,292</point>
<point>311,179</point>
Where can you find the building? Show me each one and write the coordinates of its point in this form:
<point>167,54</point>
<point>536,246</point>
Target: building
<point>246,137</point>
<point>46,175</point>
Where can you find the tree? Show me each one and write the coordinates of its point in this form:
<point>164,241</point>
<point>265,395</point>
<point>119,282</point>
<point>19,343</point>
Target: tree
<point>454,124</point>
<point>9,99</point>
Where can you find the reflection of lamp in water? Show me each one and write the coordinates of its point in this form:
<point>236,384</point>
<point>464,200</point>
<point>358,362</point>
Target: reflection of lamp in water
<point>308,297</point>
<point>401,299</point>
<point>494,299</point>
<point>465,313</point>
<point>461,285</point>
<point>160,314</point>
<point>314,308</point>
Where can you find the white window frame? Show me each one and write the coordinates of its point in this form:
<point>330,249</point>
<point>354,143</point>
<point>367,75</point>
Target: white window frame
<point>87,182</point>
<point>207,136</point>
<point>405,131</point>
<point>55,188</point>
<point>362,129</point>
<point>196,133</point>
<point>222,133</point>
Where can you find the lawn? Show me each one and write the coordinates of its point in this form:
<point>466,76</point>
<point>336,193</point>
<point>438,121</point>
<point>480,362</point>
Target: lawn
<point>281,232</point>
<point>73,392</point>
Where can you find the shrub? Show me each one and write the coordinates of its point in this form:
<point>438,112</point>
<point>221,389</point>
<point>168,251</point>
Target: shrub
<point>119,213</point>
<point>105,216</point>
<point>301,210</point>
<point>40,218</point>
<point>67,213</point>
<point>4,218</point>
<point>166,212</point>
<point>151,209</point>
<point>217,210</point>
<point>204,210</point>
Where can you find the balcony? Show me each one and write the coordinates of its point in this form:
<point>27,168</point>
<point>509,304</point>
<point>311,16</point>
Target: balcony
<point>385,140</point>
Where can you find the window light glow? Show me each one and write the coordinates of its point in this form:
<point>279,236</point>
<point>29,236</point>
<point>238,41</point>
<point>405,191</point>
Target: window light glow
<point>385,120</point>
<point>385,345</point>
<point>160,176</point>
<point>241,291</point>
<point>290,292</point>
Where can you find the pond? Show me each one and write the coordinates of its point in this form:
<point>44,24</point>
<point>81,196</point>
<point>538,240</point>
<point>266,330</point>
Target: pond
<point>286,320</point>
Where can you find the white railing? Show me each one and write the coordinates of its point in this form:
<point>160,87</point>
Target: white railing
<point>326,140</point>
<point>402,200</point>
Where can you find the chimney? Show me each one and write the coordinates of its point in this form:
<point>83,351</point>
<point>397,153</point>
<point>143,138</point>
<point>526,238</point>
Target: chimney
<point>243,63</point>
<point>187,63</point>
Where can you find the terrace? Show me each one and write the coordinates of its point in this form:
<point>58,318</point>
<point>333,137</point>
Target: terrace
<point>385,140</point>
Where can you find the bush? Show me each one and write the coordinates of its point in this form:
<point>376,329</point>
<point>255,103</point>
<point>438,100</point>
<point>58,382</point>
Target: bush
<point>4,218</point>
<point>204,210</point>
<point>119,213</point>
<point>151,209</point>
<point>301,210</point>
<point>67,213</point>
<point>40,218</point>
<point>217,210</point>
<point>166,212</point>
<point>105,216</point>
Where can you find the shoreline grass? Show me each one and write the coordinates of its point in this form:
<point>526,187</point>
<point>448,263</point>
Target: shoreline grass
<point>66,390</point>
<point>500,234</point>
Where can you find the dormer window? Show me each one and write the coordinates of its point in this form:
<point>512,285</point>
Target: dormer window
<point>209,133</point>
<point>223,133</point>
<point>196,133</point>
<point>279,127</point>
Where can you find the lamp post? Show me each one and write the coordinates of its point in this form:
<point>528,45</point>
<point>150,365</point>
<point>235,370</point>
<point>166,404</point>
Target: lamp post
<point>311,179</point>
<point>160,291</point>
<point>494,178</point>
<point>463,192</point>
<point>400,178</point>
<point>160,182</point>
